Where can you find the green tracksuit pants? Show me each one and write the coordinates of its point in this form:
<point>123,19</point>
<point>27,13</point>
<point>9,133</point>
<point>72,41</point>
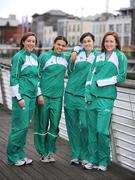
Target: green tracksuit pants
<point>20,122</point>
<point>99,118</point>
<point>75,116</point>
<point>46,125</point>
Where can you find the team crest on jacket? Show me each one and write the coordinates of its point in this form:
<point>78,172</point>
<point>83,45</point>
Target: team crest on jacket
<point>100,57</point>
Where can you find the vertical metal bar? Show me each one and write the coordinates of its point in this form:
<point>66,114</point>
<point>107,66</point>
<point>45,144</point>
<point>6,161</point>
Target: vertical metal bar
<point>113,145</point>
<point>3,92</point>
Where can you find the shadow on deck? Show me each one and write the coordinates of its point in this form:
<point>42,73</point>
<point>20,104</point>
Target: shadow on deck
<point>61,170</point>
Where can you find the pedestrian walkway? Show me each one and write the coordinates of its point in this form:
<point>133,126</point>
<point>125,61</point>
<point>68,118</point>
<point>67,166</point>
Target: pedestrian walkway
<point>61,170</point>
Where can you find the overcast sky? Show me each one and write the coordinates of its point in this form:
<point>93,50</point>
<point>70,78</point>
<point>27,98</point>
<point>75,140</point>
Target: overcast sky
<point>75,7</point>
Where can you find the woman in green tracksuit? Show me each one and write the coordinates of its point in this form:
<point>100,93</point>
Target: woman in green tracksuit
<point>74,100</point>
<point>53,65</point>
<point>109,69</point>
<point>24,85</point>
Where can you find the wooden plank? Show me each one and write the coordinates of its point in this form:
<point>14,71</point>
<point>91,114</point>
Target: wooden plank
<point>8,172</point>
<point>61,170</point>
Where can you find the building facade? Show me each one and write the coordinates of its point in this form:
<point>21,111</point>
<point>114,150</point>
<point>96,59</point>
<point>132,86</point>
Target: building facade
<point>121,24</point>
<point>11,30</point>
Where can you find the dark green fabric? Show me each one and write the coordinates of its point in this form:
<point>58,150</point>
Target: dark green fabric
<point>20,122</point>
<point>46,122</point>
<point>99,118</point>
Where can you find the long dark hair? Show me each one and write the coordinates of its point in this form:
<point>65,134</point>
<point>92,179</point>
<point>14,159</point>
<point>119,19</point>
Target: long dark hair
<point>60,38</point>
<point>115,35</point>
<point>25,36</point>
<point>85,35</point>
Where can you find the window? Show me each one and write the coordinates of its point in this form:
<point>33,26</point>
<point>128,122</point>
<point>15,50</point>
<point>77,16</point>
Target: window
<point>97,29</point>
<point>127,28</point>
<point>111,27</point>
<point>103,28</point>
<point>50,31</point>
<point>78,27</point>
<point>94,29</point>
<point>119,28</point>
<point>73,40</point>
<point>69,41</point>
<point>100,28</point>
<point>126,41</point>
<point>120,39</point>
<point>74,28</point>
<point>69,28</point>
<point>78,39</point>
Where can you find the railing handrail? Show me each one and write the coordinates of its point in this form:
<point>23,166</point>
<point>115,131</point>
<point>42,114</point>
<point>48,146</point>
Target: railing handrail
<point>10,47</point>
<point>127,84</point>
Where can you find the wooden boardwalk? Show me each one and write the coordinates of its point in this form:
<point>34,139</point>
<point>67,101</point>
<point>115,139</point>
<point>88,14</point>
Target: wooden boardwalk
<point>61,170</point>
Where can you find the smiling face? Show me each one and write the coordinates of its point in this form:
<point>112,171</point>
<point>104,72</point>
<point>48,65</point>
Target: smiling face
<point>110,43</point>
<point>29,43</point>
<point>59,46</point>
<point>88,43</point>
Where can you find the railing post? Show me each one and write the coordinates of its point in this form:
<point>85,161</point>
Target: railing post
<point>113,146</point>
<point>3,89</point>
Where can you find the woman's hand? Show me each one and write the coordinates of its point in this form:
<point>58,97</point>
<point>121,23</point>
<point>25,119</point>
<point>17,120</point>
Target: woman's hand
<point>21,102</point>
<point>73,56</point>
<point>41,100</point>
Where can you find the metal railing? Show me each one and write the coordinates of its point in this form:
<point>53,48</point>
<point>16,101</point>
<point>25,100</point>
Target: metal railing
<point>7,52</point>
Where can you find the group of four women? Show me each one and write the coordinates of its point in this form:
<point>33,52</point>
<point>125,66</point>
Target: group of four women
<point>88,99</point>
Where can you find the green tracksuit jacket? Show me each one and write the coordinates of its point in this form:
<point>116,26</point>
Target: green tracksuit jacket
<point>74,103</point>
<point>24,84</point>
<point>100,95</point>
<point>52,72</point>
<point>105,74</point>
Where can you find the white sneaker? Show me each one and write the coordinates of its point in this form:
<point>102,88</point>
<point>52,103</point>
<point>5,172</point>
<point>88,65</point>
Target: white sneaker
<point>75,162</point>
<point>19,163</point>
<point>28,161</point>
<point>83,162</point>
<point>44,159</point>
<point>90,166</point>
<point>51,157</point>
<point>102,168</point>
